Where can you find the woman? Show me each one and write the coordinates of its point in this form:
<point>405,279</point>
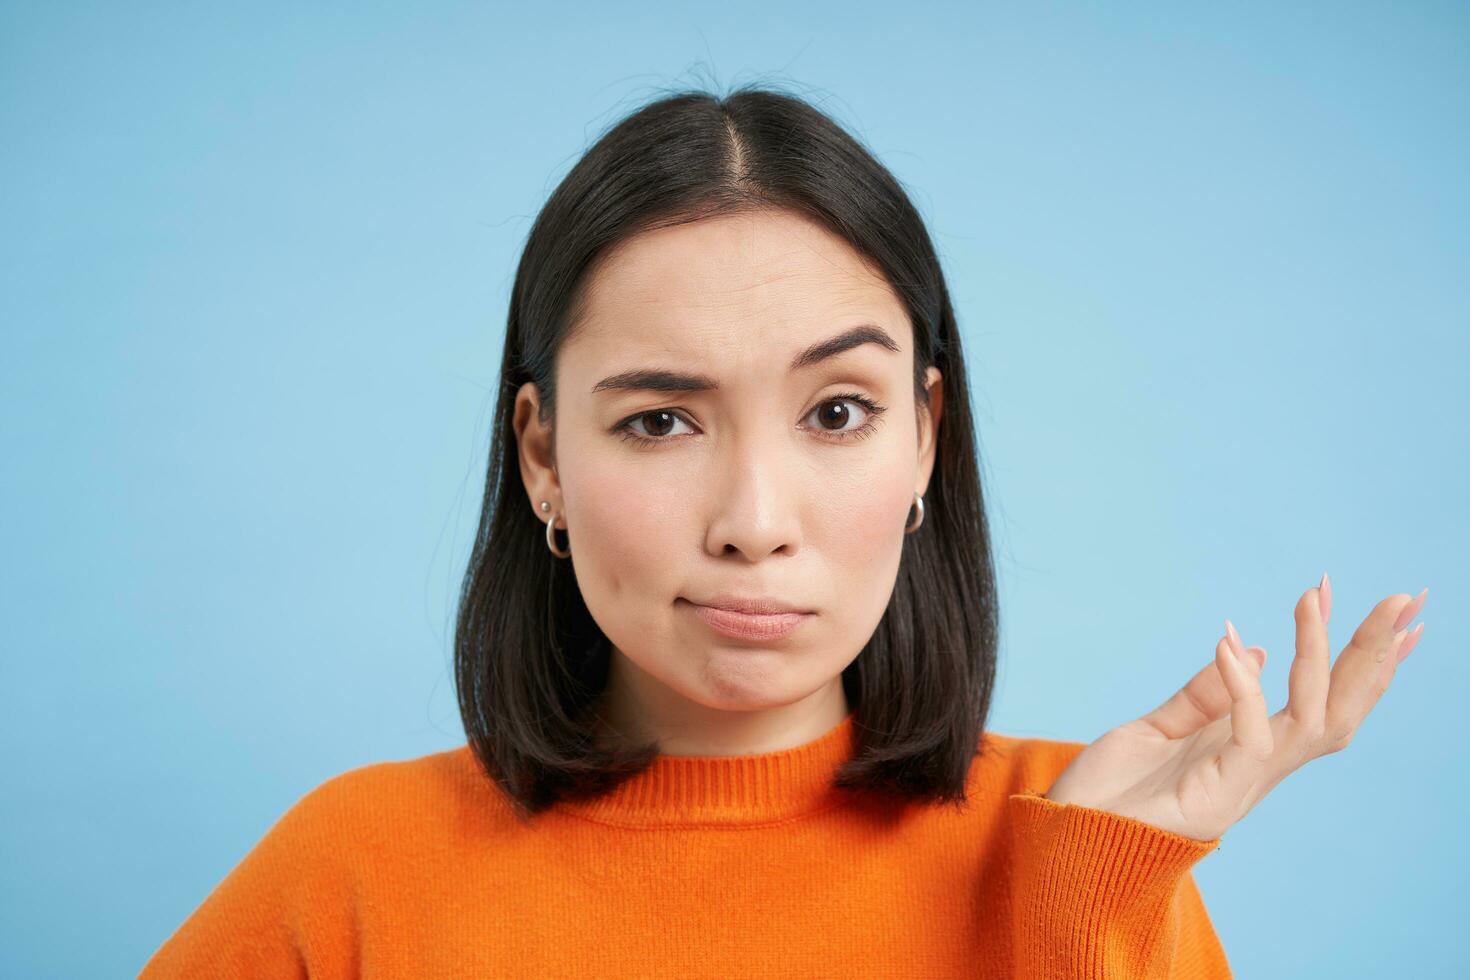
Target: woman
<point>727,640</point>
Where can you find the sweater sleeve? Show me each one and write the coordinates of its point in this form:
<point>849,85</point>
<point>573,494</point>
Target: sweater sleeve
<point>285,910</point>
<point>1097,894</point>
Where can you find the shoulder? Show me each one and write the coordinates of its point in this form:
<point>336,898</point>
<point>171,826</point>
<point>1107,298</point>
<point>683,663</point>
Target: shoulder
<point>435,794</point>
<point>300,892</point>
<point>436,772</point>
<point>1021,764</point>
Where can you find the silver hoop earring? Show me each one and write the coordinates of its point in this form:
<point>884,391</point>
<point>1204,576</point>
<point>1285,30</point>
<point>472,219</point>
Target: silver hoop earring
<point>919,503</point>
<point>551,535</point>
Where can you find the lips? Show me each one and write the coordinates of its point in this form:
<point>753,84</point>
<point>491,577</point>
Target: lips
<point>752,605</point>
<point>751,626</point>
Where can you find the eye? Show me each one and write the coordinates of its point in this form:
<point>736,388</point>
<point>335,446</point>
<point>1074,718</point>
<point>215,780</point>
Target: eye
<point>834,422</point>
<point>660,429</point>
<point>834,415</point>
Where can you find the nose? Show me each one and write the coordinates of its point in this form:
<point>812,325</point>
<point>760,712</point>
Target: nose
<point>757,504</point>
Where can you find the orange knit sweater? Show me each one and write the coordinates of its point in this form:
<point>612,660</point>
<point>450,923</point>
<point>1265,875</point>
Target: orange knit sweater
<point>747,866</point>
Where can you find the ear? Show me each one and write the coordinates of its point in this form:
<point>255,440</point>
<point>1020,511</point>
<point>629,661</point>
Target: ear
<point>929,415</point>
<point>536,446</point>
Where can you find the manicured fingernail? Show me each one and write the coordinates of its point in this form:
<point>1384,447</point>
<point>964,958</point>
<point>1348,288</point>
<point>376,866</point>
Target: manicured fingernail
<point>1411,610</point>
<point>1236,647</point>
<point>1410,640</point>
<point>1324,598</point>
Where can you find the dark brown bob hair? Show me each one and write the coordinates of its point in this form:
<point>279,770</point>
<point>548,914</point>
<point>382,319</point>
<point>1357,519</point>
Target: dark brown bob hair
<point>529,660</point>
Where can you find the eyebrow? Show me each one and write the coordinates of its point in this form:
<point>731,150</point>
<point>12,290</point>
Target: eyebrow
<point>660,380</point>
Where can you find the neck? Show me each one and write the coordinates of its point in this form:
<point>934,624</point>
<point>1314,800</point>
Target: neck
<point>637,707</point>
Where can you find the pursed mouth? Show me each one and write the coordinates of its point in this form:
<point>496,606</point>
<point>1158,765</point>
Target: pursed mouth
<point>749,626</point>
<point>751,607</point>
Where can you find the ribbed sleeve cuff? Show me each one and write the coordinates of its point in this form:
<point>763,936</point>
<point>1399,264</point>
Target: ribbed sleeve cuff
<point>1094,890</point>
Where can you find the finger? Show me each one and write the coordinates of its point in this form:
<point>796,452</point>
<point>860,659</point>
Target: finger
<point>1311,667</point>
<point>1403,644</point>
<point>1355,684</point>
<point>1251,744</point>
<point>1410,641</point>
<point>1203,700</point>
<point>1386,669</point>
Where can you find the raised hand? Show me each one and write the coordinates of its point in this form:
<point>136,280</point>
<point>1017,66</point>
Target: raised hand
<point>1200,761</point>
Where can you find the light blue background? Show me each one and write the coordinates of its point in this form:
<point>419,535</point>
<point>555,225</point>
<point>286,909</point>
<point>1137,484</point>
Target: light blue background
<point>1212,262</point>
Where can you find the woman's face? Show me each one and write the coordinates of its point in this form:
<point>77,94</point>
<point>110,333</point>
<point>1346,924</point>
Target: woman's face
<point>693,461</point>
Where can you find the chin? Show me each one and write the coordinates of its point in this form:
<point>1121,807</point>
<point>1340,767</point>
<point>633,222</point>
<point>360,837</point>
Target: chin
<point>749,686</point>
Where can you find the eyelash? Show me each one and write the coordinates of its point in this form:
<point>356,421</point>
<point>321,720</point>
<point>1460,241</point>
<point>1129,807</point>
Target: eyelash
<point>863,431</point>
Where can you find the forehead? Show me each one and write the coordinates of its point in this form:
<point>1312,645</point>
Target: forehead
<point>766,280</point>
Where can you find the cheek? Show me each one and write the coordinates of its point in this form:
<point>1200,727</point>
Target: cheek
<point>862,544</point>
<point>624,533</point>
<point>862,523</point>
<point>628,530</point>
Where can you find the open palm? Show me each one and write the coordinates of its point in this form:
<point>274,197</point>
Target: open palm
<point>1200,761</point>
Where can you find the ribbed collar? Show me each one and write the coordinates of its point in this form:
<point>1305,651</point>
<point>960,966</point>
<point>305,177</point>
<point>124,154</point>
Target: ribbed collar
<point>733,790</point>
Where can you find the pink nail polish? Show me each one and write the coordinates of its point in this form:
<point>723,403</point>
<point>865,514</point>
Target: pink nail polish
<point>1236,647</point>
<point>1324,598</point>
<point>1410,611</point>
<point>1410,641</point>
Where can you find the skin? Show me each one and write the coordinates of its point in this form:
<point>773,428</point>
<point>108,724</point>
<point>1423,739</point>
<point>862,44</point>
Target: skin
<point>745,490</point>
<point>1200,761</point>
<point>750,488</point>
